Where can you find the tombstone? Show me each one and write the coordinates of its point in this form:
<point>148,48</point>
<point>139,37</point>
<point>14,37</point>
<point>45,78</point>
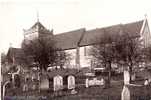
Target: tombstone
<point>25,87</point>
<point>71,82</point>
<point>87,83</point>
<point>133,77</point>
<point>44,85</point>
<point>102,81</point>
<point>58,83</point>
<point>125,95</point>
<point>126,77</point>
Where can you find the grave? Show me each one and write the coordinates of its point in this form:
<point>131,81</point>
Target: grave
<point>58,83</point>
<point>125,95</point>
<point>94,82</point>
<point>71,82</point>
<point>44,85</point>
<point>25,87</point>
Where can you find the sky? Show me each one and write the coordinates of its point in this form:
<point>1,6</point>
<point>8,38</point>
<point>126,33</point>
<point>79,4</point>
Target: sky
<point>65,15</point>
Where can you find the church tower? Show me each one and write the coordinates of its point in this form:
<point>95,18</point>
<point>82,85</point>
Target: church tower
<point>37,31</point>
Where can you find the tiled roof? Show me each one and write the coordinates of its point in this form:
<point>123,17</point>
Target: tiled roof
<point>68,40</point>
<point>95,35</point>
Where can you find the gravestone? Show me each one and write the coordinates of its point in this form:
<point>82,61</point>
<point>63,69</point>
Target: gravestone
<point>58,83</point>
<point>25,87</point>
<point>71,82</point>
<point>126,77</point>
<point>125,95</point>
<point>133,77</point>
<point>44,84</point>
<point>87,83</point>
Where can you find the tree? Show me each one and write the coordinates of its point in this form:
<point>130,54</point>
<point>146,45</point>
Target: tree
<point>3,58</point>
<point>44,52</point>
<point>104,54</point>
<point>61,58</point>
<point>128,52</point>
<point>147,54</point>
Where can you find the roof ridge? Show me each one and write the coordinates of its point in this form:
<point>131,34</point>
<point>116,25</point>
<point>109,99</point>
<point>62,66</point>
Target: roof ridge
<point>69,31</point>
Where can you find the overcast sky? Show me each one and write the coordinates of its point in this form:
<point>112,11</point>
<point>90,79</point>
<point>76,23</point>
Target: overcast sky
<point>65,15</point>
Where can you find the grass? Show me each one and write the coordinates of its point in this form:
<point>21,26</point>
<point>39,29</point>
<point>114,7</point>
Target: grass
<point>92,93</point>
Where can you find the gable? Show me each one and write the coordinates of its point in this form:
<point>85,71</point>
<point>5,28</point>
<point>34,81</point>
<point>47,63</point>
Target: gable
<point>145,34</point>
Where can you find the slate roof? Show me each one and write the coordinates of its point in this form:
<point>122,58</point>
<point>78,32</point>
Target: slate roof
<point>82,37</point>
<point>93,36</point>
<point>68,40</point>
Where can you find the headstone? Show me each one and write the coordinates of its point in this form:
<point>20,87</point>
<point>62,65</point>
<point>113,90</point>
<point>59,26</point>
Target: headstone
<point>25,87</point>
<point>125,95</point>
<point>34,87</point>
<point>71,82</point>
<point>126,77</point>
<point>102,81</point>
<point>44,84</point>
<point>146,82</point>
<point>87,83</point>
<point>133,77</point>
<point>58,83</point>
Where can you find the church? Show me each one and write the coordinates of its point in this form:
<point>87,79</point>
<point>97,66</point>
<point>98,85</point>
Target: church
<point>78,42</point>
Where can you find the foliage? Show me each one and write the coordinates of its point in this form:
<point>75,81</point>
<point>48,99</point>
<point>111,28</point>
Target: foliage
<point>3,58</point>
<point>44,52</point>
<point>104,54</point>
<point>122,50</point>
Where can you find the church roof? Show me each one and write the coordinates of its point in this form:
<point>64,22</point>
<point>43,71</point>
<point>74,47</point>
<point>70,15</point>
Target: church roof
<point>94,36</point>
<point>81,37</point>
<point>37,24</point>
<point>68,40</point>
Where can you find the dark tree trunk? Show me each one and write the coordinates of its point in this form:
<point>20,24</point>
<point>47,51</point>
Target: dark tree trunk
<point>130,69</point>
<point>109,75</point>
<point>108,81</point>
<point>130,72</point>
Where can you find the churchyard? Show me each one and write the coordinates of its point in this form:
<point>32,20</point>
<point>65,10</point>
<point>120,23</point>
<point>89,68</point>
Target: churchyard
<point>44,68</point>
<point>74,85</point>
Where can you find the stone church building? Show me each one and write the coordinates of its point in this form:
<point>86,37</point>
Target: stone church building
<point>78,42</point>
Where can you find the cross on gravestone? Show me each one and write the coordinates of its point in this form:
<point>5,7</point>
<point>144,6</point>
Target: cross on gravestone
<point>58,83</point>
<point>71,82</point>
<point>126,77</point>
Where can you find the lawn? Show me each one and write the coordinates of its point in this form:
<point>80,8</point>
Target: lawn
<point>91,93</point>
